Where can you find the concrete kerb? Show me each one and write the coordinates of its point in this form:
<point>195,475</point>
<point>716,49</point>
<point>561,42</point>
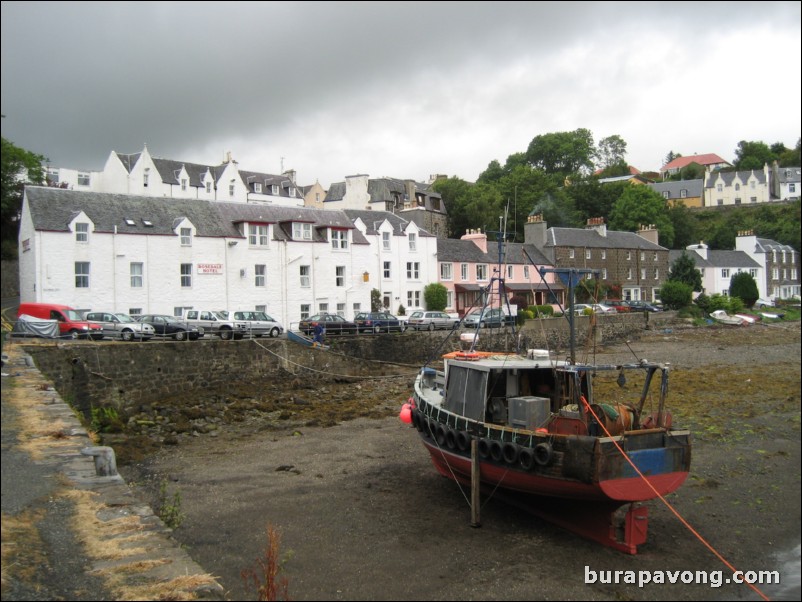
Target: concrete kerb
<point>130,547</point>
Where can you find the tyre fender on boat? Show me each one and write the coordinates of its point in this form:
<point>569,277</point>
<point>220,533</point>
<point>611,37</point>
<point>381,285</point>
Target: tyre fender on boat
<point>451,438</point>
<point>526,458</point>
<point>440,434</point>
<point>510,452</point>
<point>543,454</point>
<point>463,441</point>
<point>483,447</point>
<point>496,450</point>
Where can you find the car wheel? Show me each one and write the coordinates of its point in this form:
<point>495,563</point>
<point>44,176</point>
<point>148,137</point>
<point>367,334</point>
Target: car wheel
<point>127,335</point>
<point>180,335</point>
<point>274,332</point>
<point>377,329</point>
<point>226,334</point>
<point>431,326</point>
<point>74,334</point>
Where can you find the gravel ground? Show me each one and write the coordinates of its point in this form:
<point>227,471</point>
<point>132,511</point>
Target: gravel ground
<point>363,515</point>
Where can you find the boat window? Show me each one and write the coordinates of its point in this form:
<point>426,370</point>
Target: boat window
<point>465,392</point>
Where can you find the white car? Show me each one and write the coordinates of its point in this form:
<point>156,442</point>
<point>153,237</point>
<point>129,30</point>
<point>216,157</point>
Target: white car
<point>761,303</point>
<point>255,323</point>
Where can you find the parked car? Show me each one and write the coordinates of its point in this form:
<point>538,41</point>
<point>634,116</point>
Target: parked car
<point>761,303</point>
<point>71,322</point>
<point>332,323</point>
<point>121,326</point>
<point>431,320</point>
<point>171,327</point>
<point>255,323</point>
<point>618,305</point>
<point>597,308</point>
<point>378,321</point>
<point>488,318</point>
<point>643,306</point>
<point>213,322</point>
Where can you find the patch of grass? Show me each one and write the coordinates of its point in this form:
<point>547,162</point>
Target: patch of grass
<point>170,509</point>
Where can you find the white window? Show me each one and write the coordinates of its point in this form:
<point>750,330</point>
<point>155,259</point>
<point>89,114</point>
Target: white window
<point>665,194</point>
<point>587,253</point>
<point>604,273</point>
<point>186,237</point>
<point>208,186</point>
<point>81,274</point>
<point>775,274</point>
<point>292,194</point>
<point>413,241</point>
<point>683,194</point>
<point>136,275</point>
<point>257,187</point>
<point>655,255</point>
<point>231,189</point>
<point>305,309</point>
<point>642,256</point>
<point>257,235</point>
<point>464,271</point>
<point>83,179</point>
<point>526,272</point>
<point>629,273</point>
<point>629,255</point>
<point>657,273</point>
<point>134,311</point>
<point>413,298</point>
<point>604,253</point>
<point>339,275</point>
<point>339,239</point>
<point>340,306</point>
<point>323,307</point>
<point>719,187</point>
<point>186,275</point>
<point>643,273</point>
<point>753,272</point>
<point>260,272</point>
<point>305,276</point>
<point>725,273</point>
<point>413,270</point>
<point>481,271</point>
<point>274,189</point>
<point>183,183</point>
<point>301,231</point>
<point>570,253</point>
<point>737,187</point>
<point>385,241</point>
<point>82,232</point>
<point>145,177</point>
<point>445,271</point>
<point>387,272</point>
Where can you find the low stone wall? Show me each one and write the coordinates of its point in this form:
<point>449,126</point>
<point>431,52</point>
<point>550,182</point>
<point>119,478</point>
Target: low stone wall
<point>95,374</point>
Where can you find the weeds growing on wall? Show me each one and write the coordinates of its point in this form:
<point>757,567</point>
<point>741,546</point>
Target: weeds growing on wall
<point>170,509</point>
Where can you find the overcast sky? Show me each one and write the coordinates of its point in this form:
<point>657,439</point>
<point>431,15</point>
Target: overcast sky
<point>402,89</point>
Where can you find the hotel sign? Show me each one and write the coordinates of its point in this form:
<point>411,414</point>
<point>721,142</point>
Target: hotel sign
<point>210,268</point>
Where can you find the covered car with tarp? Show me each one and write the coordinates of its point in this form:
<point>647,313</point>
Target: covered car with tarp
<point>28,326</point>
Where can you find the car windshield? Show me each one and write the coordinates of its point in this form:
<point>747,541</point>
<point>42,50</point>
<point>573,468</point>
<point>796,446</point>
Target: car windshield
<point>73,315</point>
<point>417,314</point>
<point>223,315</point>
<point>124,318</point>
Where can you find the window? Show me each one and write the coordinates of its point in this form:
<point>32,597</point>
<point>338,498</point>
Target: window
<point>387,272</point>
<point>357,307</point>
<point>413,270</point>
<point>719,187</point>
<point>81,274</point>
<point>604,254</point>
<point>323,307</point>
<point>305,309</point>
<point>413,298</point>
<point>655,255</point>
<point>83,179</point>
<point>274,189</point>
<point>186,237</point>
<point>683,194</point>
<point>413,241</point>
<point>481,271</point>
<point>570,253</point>
<point>82,232</point>
<point>257,187</point>
<point>208,186</point>
<point>725,273</point>
<point>629,273</point>
<point>257,235</point>
<point>753,272</point>
<point>752,184</point>
<point>260,271</point>
<point>775,274</point>
<point>587,253</point>
<point>464,271</point>
<point>753,199</point>
<point>339,275</point>
<point>136,274</point>
<point>509,272</point>
<point>720,202</point>
<point>738,200</point>
<point>145,177</point>
<point>643,273</point>
<point>339,239</point>
<point>737,187</point>
<point>52,175</point>
<point>385,241</point>
<point>526,272</point>
<point>305,276</point>
<point>642,256</point>
<point>445,271</point>
<point>657,273</point>
<point>231,189</point>
<point>186,275</point>
<point>791,187</point>
<point>301,231</point>
<point>134,311</point>
<point>629,255</point>
<point>604,273</point>
<point>292,194</point>
<point>665,194</point>
<point>183,183</point>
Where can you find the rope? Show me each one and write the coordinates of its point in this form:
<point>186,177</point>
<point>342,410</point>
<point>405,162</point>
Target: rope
<point>666,502</point>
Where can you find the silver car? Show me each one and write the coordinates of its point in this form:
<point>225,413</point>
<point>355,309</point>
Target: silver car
<point>121,326</point>
<point>431,320</point>
<point>255,323</point>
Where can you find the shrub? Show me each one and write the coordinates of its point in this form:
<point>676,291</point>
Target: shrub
<point>675,294</point>
<point>435,295</point>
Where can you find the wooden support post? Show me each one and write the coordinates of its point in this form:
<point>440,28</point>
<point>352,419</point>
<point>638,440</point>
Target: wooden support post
<point>475,482</point>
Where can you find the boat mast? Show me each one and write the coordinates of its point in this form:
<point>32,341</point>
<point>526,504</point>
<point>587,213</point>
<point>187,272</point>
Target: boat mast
<point>570,277</point>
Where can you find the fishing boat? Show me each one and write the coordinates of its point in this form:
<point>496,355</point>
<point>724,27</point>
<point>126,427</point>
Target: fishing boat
<point>531,428</point>
<point>302,339</point>
<point>722,317</point>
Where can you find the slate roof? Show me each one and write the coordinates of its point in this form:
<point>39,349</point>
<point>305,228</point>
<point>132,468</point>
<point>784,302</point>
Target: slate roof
<point>466,251</point>
<point>169,170</point>
<point>52,209</point>
<point>717,259</point>
<point>128,161</point>
<point>694,188</point>
<point>729,176</point>
<point>580,237</point>
<point>372,219</point>
<point>766,245</point>
<point>788,175</point>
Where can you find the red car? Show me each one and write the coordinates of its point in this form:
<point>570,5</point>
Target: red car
<point>618,305</point>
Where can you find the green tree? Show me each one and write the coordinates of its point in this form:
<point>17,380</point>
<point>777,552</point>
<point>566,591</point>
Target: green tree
<point>684,270</point>
<point>375,300</point>
<point>435,295</point>
<point>612,151</point>
<point>685,225</point>
<point>564,153</point>
<point>743,286</point>
<point>792,157</point>
<point>670,157</point>
<point>752,155</point>
<point>19,166</point>
<point>675,294</point>
<point>593,199</point>
<point>640,205</point>
<point>692,171</point>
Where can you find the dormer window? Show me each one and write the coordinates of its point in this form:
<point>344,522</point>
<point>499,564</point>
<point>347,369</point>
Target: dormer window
<point>81,232</point>
<point>301,231</point>
<point>186,237</point>
<point>274,189</point>
<point>257,235</point>
<point>683,194</point>
<point>145,177</point>
<point>292,192</point>
<point>183,183</point>
<point>147,223</point>
<point>339,239</point>
<point>208,186</point>
<point>257,187</point>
